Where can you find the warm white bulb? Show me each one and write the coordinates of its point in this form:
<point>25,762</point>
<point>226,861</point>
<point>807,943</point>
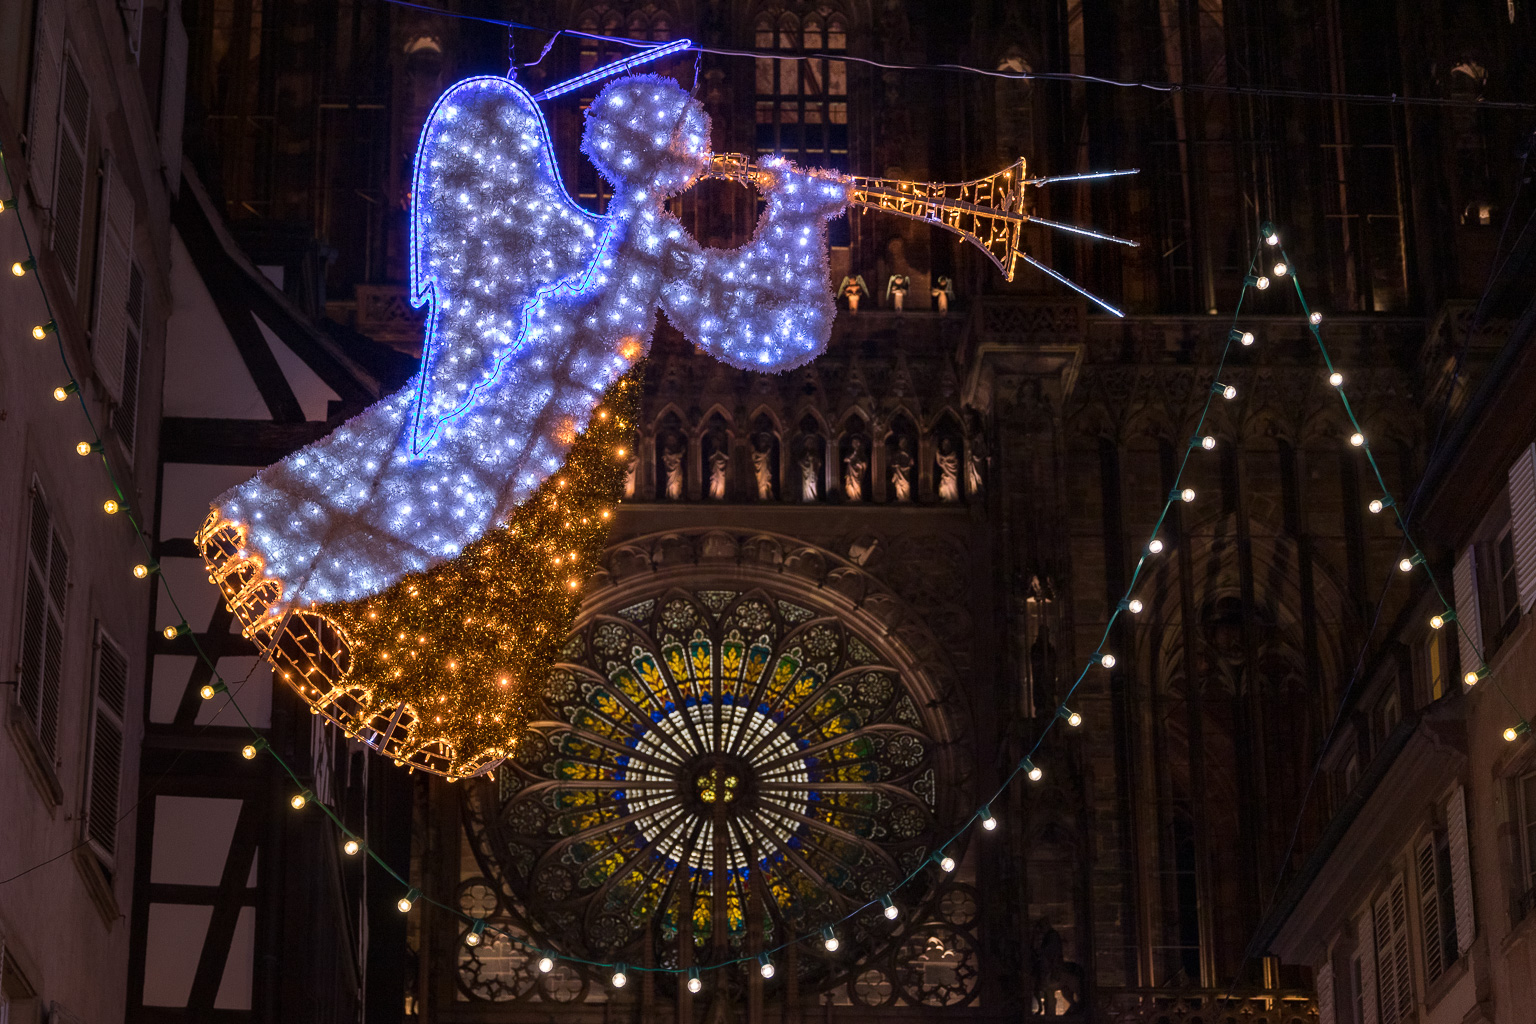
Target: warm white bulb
<point>1336,378</point>
<point>207,691</point>
<point>947,864</point>
<point>620,979</point>
<point>1315,318</point>
<point>404,904</point>
<point>1155,546</point>
<point>59,394</point>
<point>1074,719</point>
<point>1470,678</point>
<point>18,269</point>
<point>1108,661</point>
<point>1375,505</point>
<point>110,507</point>
<point>1405,564</point>
<point>766,969</point>
<point>1035,774</point>
<point>1229,392</point>
<point>298,801</point>
<point>351,846</point>
<point>141,570</point>
<point>39,332</point>
<point>1436,621</point>
<point>989,823</point>
<point>891,913</point>
<point>1188,494</point>
<point>1207,442</point>
<point>546,965</point>
<point>1247,338</point>
<point>1273,238</point>
<point>169,632</point>
<point>831,943</point>
<point>695,985</point>
<point>1135,606</point>
<point>1357,439</point>
<point>1262,283</point>
<point>248,751</point>
<point>1510,734</point>
<point>472,939</point>
<point>1280,269</point>
<point>83,448</point>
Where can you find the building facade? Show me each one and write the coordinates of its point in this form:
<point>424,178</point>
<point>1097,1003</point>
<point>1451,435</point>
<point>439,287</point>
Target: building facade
<point>90,131</point>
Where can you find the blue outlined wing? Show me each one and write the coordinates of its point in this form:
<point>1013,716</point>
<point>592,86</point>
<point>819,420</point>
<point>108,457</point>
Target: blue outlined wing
<point>491,225</point>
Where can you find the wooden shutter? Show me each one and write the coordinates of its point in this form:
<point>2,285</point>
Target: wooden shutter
<point>43,113</point>
<point>1365,928</point>
<point>1325,1013</point>
<point>1461,868</point>
<point>106,766</point>
<point>42,625</point>
<point>173,95</point>
<point>1394,980</point>
<point>125,416</point>
<point>1429,911</point>
<point>1522,519</point>
<point>1468,618</point>
<point>109,333</point>
<point>71,174</point>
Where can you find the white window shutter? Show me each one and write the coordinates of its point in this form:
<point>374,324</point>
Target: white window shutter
<point>109,334</point>
<point>1325,1013</point>
<point>1468,618</point>
<point>1522,518</point>
<point>1429,910</point>
<point>1365,930</point>
<point>43,117</point>
<point>125,416</point>
<point>1461,868</point>
<point>173,95</point>
<point>103,790</point>
<point>71,175</point>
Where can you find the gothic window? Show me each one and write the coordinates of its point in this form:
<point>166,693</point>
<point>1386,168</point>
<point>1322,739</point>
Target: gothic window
<point>802,104</point>
<point>692,714</point>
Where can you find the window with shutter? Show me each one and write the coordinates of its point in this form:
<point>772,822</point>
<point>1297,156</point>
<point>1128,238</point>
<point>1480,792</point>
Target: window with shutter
<point>1394,980</point>
<point>1365,991</point>
<point>109,330</point>
<point>43,112</point>
<point>1522,517</point>
<point>1525,811</point>
<point>1460,868</point>
<point>45,587</point>
<point>69,182</point>
<point>1468,619</point>
<point>125,416</point>
<point>106,762</point>
<point>1437,911</point>
<point>1325,993</point>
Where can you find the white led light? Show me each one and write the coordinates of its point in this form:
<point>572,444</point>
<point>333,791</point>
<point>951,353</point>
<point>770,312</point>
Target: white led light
<point>534,308</point>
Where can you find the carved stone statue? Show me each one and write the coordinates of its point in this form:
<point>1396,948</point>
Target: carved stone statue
<point>672,460</point>
<point>975,468</point>
<point>717,466</point>
<point>853,289</point>
<point>943,292</point>
<point>762,466</point>
<point>902,463</point>
<point>631,469</point>
<point>1053,972</point>
<point>896,288</point>
<point>854,465</point>
<point>810,471</point>
<point>948,461</point>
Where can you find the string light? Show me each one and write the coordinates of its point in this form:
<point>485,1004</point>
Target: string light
<point>1280,269</point>
<point>248,751</point>
<point>946,864</point>
<point>1187,494</point>
<point>764,965</point>
<point>1407,564</point>
<point>1439,621</point>
<point>298,800</point>
<point>475,931</point>
<point>63,392</point>
<point>88,447</point>
<point>111,507</point>
<point>695,983</point>
<point>1208,442</point>
<point>1314,318</point>
<point>404,903</point>
<point>1032,770</point>
<point>1271,235</point>
<point>209,690</point>
<point>350,848</point>
<point>1071,717</point>
<point>172,632</point>
<point>890,911</point>
<point>1135,606</point>
<point>1472,677</point>
<point>1228,391</point>
<point>1336,379</point>
<point>829,940</point>
<point>1517,730</point>
<point>1108,661</point>
<point>20,268</point>
<point>988,822</point>
<point>143,570</point>
<point>1357,439</point>
<point>620,979</point>
<point>1245,338</point>
<point>42,331</point>
<point>1155,546</point>
<point>1376,506</point>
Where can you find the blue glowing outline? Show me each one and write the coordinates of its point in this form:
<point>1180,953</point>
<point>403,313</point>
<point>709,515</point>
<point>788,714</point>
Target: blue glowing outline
<point>424,286</point>
<point>615,67</point>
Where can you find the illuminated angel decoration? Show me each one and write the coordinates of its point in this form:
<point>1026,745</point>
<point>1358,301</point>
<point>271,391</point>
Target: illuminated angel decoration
<point>536,310</point>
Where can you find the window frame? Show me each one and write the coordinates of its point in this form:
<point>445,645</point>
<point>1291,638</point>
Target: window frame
<point>1524,900</point>
<point>55,610</point>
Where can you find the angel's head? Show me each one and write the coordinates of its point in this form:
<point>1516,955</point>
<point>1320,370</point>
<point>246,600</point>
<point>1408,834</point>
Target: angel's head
<point>644,131</point>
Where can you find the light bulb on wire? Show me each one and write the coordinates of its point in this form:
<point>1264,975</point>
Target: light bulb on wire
<point>829,940</point>
<point>1314,318</point>
<point>1357,439</point>
<point>988,820</point>
<point>1134,605</point>
<point>1376,506</point>
<point>1033,770</point>
<point>546,965</point>
<point>946,864</point>
<point>476,931</point>
<point>1336,379</point>
<point>1155,546</point>
<point>695,983</point>
<point>890,910</point>
<point>1208,442</point>
<point>21,267</point>
<point>248,751</point>
<point>406,902</point>
<point>1187,494</point>
<point>1108,661</point>
<point>620,979</point>
<point>764,965</point>
<point>1280,269</point>
<point>350,847</point>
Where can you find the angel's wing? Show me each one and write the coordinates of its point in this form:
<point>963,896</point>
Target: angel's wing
<point>491,224</point>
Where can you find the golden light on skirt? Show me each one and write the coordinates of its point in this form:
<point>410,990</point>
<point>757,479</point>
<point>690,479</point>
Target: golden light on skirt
<point>437,670</point>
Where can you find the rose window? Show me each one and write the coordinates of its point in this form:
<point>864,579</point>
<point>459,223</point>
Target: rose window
<point>707,758</point>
